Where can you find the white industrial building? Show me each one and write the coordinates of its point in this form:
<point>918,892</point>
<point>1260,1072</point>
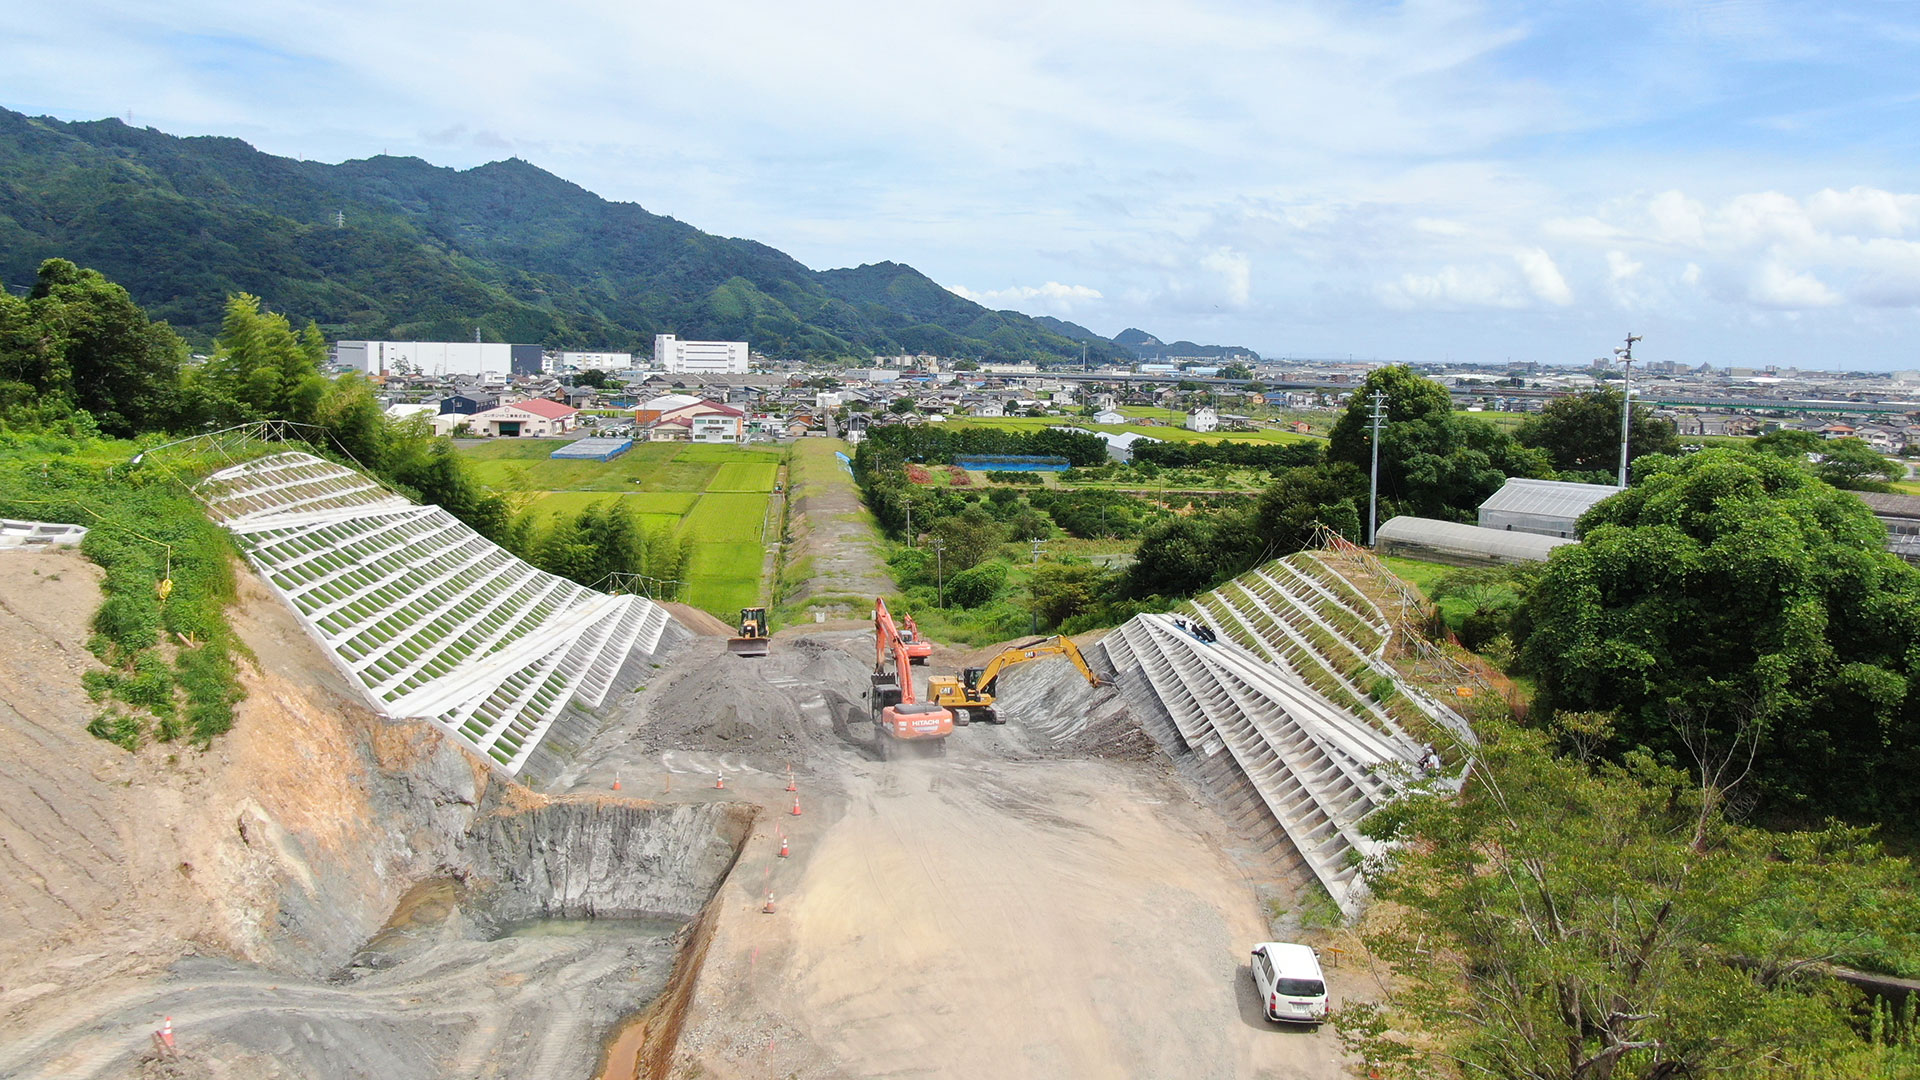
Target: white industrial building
<point>1545,507</point>
<point>597,361</point>
<point>674,356</point>
<point>436,357</point>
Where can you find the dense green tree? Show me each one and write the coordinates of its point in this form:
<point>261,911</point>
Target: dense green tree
<point>595,378</point>
<point>1844,463</point>
<point>1560,921</point>
<point>1581,432</point>
<point>1333,495</point>
<point>1729,599</point>
<point>1065,590</point>
<point>1192,553</point>
<point>1433,462</point>
<point>78,341</point>
<point>977,587</point>
<point>901,405</point>
<point>968,537</point>
<point>261,369</point>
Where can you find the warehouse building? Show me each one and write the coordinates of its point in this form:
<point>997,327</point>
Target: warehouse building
<point>677,357</point>
<point>1901,515</point>
<point>439,358</point>
<point>1545,507</point>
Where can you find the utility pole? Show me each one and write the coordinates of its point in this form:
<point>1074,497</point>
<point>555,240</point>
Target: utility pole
<point>940,572</point>
<point>1373,490</point>
<point>1036,549</point>
<point>1625,353</point>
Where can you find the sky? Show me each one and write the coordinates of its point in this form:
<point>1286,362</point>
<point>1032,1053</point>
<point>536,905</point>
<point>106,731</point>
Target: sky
<point>1738,181</point>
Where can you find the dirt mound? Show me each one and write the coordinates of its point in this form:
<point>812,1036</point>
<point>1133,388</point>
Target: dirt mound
<point>736,705</point>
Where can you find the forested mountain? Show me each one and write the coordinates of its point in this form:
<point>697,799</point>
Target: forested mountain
<point>1137,344</point>
<point>418,251</point>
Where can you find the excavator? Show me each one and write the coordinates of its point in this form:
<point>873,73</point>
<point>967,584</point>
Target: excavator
<point>753,633</point>
<point>918,648</point>
<point>970,695</point>
<point>900,721</point>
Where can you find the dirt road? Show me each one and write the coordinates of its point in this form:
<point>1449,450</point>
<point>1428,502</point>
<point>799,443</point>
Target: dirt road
<point>1005,911</point>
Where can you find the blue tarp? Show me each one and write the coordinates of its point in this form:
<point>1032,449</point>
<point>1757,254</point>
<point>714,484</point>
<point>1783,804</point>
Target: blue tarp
<point>1013,463</point>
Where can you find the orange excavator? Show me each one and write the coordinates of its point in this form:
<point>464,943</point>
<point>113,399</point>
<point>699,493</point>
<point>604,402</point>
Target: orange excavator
<point>918,648</point>
<point>899,721</point>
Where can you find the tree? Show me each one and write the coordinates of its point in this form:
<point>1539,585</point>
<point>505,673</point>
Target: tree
<point>1581,432</point>
<point>80,342</point>
<point>901,405</point>
<point>1559,921</point>
<point>260,369</point>
<point>1727,585</point>
<point>595,378</point>
<point>1844,463</point>
<point>1301,498</point>
<point>1189,554</point>
<point>1062,590</point>
<point>1433,462</point>
<point>969,536</point>
<point>978,586</point>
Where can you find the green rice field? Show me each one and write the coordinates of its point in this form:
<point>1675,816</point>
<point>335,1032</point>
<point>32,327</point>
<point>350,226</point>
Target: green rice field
<point>718,495</point>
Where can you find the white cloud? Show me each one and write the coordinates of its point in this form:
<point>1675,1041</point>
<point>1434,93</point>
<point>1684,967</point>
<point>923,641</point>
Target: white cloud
<point>1235,271</point>
<point>1454,287</point>
<point>1543,277</point>
<point>1775,286</point>
<point>1053,298</point>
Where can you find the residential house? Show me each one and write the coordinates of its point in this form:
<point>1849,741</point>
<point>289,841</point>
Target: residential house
<point>1202,419</point>
<point>1109,416</point>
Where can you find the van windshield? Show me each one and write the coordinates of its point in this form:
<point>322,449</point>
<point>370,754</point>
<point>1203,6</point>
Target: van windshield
<point>1300,987</point>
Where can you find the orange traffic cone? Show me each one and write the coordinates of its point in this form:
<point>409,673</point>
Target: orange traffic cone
<point>791,786</point>
<point>719,780</point>
<point>768,909</point>
<point>616,783</point>
<point>166,1033</point>
<point>783,847</point>
<point>796,806</point>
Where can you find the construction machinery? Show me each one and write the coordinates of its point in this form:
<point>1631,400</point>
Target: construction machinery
<point>899,719</point>
<point>753,633</point>
<point>918,648</point>
<point>970,695</point>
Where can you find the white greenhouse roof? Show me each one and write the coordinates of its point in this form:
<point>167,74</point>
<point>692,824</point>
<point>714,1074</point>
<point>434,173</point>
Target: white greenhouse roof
<point>1469,540</point>
<point>431,619</point>
<point>1547,498</point>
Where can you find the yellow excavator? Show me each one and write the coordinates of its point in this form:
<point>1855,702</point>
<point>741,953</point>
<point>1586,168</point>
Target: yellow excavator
<point>753,633</point>
<point>970,694</point>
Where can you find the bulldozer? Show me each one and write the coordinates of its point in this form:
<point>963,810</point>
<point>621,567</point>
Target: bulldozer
<point>900,720</point>
<point>970,694</point>
<point>753,633</point>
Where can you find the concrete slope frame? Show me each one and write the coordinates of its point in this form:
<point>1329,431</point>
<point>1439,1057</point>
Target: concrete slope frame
<point>429,619</point>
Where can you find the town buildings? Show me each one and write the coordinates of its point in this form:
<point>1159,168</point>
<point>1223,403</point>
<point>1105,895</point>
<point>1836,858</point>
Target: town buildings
<point>677,357</point>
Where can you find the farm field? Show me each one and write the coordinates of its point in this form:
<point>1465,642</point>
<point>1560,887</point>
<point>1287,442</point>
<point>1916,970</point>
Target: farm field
<point>1170,434</point>
<point>717,495</point>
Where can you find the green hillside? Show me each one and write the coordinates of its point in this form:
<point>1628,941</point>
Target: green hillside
<point>434,253</point>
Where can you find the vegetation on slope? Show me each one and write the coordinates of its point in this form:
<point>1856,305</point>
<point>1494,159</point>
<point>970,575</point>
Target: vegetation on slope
<point>425,252</point>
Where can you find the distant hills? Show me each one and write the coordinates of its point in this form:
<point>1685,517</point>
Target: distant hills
<point>1141,345</point>
<point>395,247</point>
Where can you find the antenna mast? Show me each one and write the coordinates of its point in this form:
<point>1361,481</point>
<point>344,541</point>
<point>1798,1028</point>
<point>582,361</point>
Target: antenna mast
<point>1625,353</point>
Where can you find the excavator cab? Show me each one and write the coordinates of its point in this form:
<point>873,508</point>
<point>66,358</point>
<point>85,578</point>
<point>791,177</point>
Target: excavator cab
<point>753,633</point>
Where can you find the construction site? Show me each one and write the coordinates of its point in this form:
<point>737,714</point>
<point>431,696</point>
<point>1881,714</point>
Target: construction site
<point>479,821</point>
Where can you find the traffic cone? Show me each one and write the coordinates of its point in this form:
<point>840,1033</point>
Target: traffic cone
<point>768,909</point>
<point>616,783</point>
<point>783,847</point>
<point>791,786</point>
<point>719,781</point>
<point>166,1031</point>
<point>796,806</point>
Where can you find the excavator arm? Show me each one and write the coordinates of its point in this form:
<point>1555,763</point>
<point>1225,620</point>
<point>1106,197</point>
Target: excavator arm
<point>971,694</point>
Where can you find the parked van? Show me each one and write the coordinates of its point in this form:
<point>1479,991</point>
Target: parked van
<point>1287,978</point>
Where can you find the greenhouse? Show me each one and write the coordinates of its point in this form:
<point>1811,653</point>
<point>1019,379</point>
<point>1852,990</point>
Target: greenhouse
<point>592,450</point>
<point>1462,545</point>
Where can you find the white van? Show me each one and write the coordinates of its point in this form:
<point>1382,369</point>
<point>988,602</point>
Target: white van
<point>1287,978</point>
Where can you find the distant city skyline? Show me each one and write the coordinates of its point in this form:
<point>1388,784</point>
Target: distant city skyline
<point>1736,181</point>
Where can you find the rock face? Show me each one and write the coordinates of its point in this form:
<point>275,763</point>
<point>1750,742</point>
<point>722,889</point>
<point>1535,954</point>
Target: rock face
<point>599,859</point>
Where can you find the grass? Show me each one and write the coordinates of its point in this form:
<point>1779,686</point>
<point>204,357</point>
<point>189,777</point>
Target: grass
<point>1417,572</point>
<point>716,495</point>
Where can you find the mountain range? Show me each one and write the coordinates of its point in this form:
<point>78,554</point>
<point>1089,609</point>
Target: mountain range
<point>394,247</point>
<point>1144,346</point>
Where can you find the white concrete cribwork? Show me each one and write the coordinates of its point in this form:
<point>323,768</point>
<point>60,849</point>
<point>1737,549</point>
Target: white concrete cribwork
<point>39,534</point>
<point>1316,768</point>
<point>430,619</point>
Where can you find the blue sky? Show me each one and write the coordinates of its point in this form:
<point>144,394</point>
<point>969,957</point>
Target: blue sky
<point>1420,181</point>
